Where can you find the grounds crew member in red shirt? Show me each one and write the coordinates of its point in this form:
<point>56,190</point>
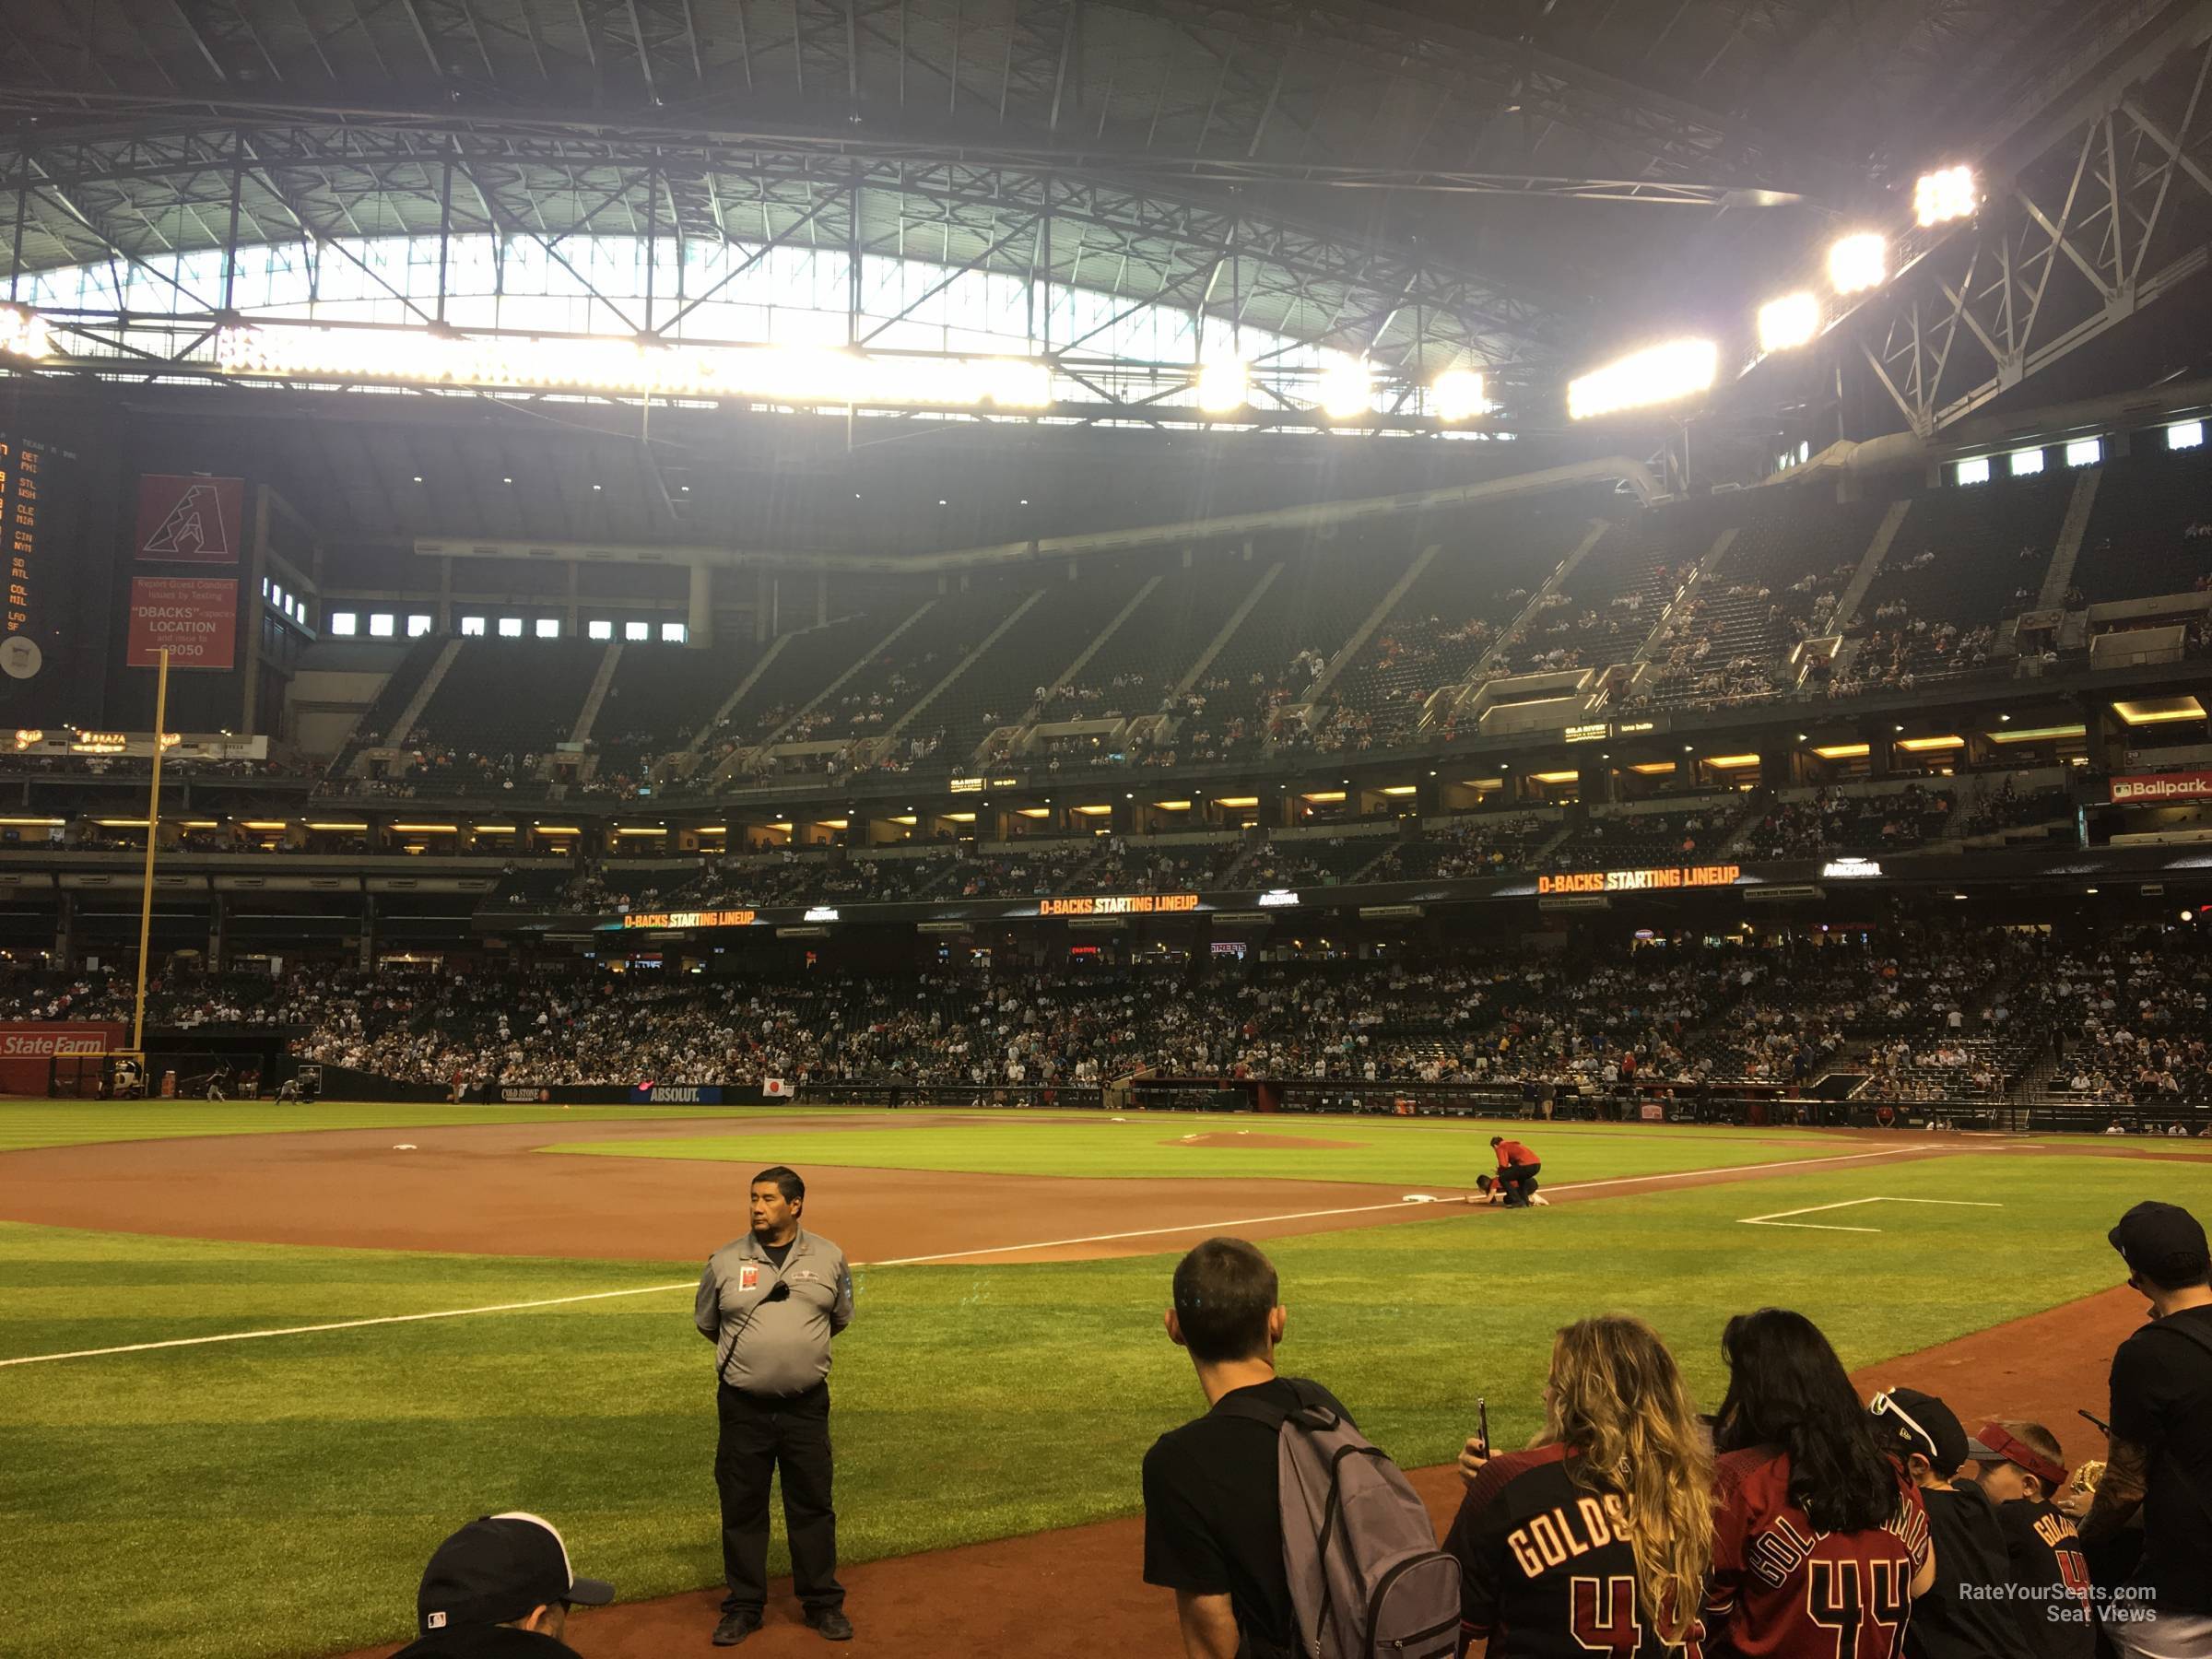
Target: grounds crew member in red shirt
<point>1517,1168</point>
<point>770,1302</point>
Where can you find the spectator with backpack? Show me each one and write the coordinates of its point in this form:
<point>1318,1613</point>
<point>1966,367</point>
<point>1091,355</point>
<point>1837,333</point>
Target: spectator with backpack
<point>1817,1533</point>
<point>1599,1539</point>
<point>1235,1501</point>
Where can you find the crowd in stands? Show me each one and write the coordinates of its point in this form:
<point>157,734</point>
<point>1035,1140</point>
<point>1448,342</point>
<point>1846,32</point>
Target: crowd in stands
<point>1915,1014</point>
<point>1833,822</point>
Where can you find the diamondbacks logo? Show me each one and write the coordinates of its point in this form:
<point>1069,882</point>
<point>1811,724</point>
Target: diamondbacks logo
<point>189,520</point>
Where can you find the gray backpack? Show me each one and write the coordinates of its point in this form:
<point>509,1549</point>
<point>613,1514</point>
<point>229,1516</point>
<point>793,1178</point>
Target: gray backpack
<point>1366,1576</point>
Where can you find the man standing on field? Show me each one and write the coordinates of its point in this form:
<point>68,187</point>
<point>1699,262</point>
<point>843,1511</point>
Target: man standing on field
<point>770,1302</point>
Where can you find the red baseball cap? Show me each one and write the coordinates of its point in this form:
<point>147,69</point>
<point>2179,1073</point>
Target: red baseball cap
<point>1993,1442</point>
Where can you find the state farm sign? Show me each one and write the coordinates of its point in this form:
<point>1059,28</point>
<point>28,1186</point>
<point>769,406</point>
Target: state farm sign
<point>2159,789</point>
<point>26,1047</point>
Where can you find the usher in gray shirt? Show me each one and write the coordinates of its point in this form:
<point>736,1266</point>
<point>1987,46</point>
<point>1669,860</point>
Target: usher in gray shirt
<point>774,1347</point>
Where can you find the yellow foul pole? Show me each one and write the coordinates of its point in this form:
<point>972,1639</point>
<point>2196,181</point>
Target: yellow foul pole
<point>153,824</point>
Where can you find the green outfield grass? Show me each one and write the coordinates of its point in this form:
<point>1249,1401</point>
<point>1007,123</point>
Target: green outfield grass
<point>279,1497</point>
<point>25,1124</point>
<point>1402,1153</point>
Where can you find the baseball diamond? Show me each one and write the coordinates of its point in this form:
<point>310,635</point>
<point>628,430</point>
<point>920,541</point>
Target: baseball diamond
<point>1187,829</point>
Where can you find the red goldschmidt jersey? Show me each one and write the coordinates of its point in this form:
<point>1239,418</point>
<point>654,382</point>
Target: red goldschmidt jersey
<point>1512,1152</point>
<point>1543,1572</point>
<point>1781,1589</point>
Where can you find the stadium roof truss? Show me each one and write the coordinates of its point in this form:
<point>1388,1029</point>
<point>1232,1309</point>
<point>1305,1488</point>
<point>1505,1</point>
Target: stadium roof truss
<point>2112,214</point>
<point>1248,162</point>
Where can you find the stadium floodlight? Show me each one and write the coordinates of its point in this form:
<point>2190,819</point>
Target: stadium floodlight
<point>1347,391</point>
<point>1656,375</point>
<point>1460,395</point>
<point>1946,193</point>
<point>1224,385</point>
<point>1859,262</point>
<point>23,333</point>
<point>1788,322</point>
<point>632,367</point>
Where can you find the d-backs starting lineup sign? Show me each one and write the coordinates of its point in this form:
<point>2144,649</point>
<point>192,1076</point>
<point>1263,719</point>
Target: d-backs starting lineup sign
<point>190,520</point>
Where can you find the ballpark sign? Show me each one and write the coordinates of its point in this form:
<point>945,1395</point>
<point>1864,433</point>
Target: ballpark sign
<point>190,521</point>
<point>196,617</point>
<point>1640,881</point>
<point>2160,789</point>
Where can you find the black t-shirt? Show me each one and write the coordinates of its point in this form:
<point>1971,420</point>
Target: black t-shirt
<point>1213,1512</point>
<point>779,1253</point>
<point>1545,1572</point>
<point>2162,1402</point>
<point>1965,1614</point>
<point>2051,1609</point>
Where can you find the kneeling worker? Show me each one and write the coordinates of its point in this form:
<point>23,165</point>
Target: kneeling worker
<point>1517,1168</point>
<point>770,1302</point>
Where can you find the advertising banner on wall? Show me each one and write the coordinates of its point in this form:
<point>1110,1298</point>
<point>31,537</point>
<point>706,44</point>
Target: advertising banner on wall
<point>190,520</point>
<point>195,617</point>
<point>2159,789</point>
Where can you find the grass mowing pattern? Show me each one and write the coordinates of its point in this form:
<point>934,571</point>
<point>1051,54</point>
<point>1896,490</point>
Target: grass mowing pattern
<point>290,1490</point>
<point>1403,1154</point>
<point>27,1123</point>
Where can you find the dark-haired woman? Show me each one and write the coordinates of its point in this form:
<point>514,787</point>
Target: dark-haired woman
<point>1820,1541</point>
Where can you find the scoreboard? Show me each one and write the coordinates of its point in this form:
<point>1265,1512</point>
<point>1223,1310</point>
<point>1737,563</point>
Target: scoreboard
<point>39,491</point>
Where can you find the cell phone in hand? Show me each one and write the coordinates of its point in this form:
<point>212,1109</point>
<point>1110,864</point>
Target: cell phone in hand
<point>1482,1424</point>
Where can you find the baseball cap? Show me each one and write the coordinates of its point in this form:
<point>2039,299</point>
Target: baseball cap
<point>1993,1442</point>
<point>495,1570</point>
<point>1906,1421</point>
<point>2163,1241</point>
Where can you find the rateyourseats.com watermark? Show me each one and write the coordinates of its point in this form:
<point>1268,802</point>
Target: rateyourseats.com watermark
<point>2067,1604</point>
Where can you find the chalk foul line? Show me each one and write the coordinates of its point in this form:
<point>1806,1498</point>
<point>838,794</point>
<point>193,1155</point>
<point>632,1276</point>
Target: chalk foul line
<point>347,1324</point>
<point>1408,1201</point>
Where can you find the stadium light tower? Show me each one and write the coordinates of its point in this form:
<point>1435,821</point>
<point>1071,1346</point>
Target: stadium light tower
<point>1224,385</point>
<point>1658,374</point>
<point>1460,395</point>
<point>1347,391</point>
<point>1946,193</point>
<point>1788,322</point>
<point>1858,263</point>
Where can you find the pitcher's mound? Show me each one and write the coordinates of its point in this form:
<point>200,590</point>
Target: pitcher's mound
<point>1245,1137</point>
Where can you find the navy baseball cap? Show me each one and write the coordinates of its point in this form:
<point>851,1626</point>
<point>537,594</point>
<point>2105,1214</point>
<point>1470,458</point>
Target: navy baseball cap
<point>1906,1421</point>
<point>2162,1242</point>
<point>495,1570</point>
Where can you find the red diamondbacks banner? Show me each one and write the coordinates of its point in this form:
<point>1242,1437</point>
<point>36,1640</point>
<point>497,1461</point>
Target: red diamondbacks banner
<point>2157,789</point>
<point>195,617</point>
<point>190,520</point>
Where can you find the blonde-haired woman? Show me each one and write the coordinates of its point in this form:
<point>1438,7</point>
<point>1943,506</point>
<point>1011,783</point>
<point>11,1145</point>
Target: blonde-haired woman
<point>1598,1540</point>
